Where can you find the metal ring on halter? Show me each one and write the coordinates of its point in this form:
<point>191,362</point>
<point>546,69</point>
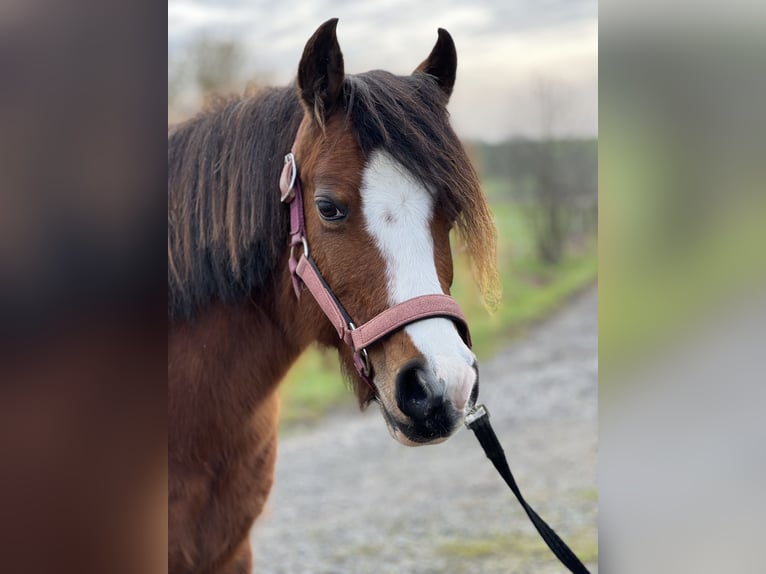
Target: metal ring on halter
<point>362,354</point>
<point>305,249</point>
<point>290,158</point>
<point>365,362</point>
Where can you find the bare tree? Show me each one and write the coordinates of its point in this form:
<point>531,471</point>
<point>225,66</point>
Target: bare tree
<point>547,211</point>
<point>205,70</point>
<point>217,66</point>
<point>177,72</point>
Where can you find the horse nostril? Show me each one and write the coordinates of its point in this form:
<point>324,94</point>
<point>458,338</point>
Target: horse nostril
<point>415,392</point>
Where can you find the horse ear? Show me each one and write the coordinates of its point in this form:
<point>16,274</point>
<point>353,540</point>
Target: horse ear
<point>442,62</point>
<point>320,73</point>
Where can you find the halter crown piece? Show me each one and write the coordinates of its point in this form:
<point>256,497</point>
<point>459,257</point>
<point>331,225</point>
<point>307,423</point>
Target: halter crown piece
<point>304,271</point>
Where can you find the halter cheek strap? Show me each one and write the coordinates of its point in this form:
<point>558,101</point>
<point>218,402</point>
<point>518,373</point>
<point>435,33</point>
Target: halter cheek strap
<point>303,270</point>
<point>293,196</point>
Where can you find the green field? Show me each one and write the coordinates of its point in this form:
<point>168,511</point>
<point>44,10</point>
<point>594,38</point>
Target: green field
<point>531,291</point>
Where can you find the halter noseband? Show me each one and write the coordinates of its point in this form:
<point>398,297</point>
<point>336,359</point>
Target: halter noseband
<point>303,269</point>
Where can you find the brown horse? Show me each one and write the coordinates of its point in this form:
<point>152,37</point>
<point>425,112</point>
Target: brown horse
<point>384,180</point>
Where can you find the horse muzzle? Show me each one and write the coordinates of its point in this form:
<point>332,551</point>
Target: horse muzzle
<point>433,403</point>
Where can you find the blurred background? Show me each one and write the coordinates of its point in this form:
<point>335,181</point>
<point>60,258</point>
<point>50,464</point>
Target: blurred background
<point>525,104</point>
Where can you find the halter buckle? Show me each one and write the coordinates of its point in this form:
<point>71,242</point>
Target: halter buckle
<point>287,180</point>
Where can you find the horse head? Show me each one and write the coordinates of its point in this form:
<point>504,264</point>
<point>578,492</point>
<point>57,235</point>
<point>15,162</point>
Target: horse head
<point>384,181</point>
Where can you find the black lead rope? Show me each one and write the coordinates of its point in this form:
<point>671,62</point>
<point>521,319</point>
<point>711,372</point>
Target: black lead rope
<point>478,421</point>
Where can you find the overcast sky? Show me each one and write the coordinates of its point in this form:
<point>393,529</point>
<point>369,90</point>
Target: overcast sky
<point>503,46</point>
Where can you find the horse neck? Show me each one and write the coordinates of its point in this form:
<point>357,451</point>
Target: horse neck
<point>239,353</point>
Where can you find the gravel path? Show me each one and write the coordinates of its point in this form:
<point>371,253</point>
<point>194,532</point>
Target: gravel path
<point>348,498</point>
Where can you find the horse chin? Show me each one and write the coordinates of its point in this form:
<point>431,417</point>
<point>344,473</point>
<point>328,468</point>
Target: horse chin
<point>399,432</point>
<point>402,438</point>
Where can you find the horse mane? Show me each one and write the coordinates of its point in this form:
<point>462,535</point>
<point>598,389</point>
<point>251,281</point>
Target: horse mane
<point>226,226</point>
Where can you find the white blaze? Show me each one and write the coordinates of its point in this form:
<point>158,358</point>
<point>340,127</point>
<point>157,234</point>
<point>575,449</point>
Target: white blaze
<point>398,211</point>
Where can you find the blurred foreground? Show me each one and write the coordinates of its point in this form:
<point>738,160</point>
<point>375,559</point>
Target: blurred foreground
<point>82,269</point>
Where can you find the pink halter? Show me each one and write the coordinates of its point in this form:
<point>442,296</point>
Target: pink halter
<point>303,269</point>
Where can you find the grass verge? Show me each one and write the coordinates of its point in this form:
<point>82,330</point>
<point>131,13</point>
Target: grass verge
<point>526,547</point>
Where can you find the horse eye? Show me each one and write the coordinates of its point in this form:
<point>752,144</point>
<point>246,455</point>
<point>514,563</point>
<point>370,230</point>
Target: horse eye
<point>329,211</point>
